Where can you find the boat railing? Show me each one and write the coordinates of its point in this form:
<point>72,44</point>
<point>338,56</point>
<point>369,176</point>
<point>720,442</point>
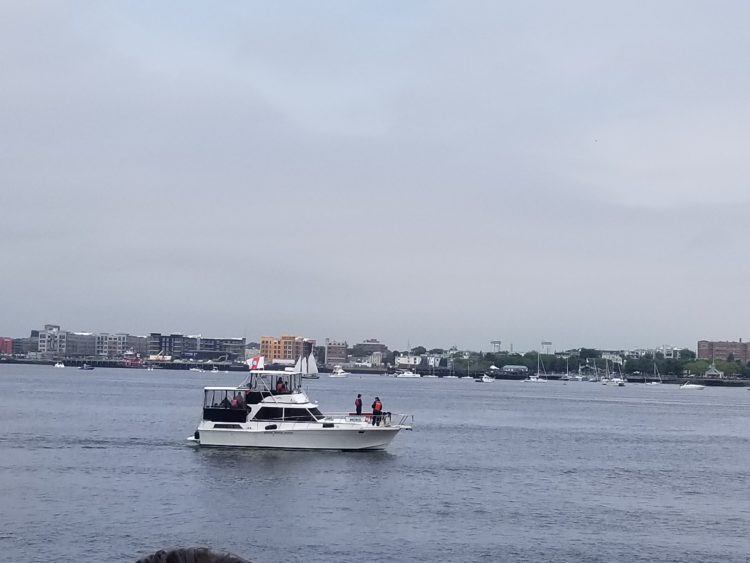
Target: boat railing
<point>386,418</point>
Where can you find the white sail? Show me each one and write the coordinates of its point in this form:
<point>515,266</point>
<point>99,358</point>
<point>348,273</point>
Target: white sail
<point>298,366</point>
<point>312,366</point>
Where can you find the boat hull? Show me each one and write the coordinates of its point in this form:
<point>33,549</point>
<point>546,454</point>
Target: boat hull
<point>373,438</point>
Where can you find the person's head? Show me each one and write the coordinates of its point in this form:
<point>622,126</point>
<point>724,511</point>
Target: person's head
<point>377,398</point>
<point>192,555</point>
<point>359,395</point>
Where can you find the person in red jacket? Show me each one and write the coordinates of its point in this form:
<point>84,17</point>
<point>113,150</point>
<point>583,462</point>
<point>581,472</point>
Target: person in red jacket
<point>377,409</point>
<point>358,403</point>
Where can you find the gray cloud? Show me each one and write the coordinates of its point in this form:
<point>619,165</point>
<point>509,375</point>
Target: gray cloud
<point>421,172</point>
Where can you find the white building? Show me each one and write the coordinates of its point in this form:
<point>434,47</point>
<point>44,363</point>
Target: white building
<point>407,361</point>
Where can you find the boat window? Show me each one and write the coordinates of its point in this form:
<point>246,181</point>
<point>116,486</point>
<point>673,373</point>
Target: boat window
<point>316,413</point>
<point>269,413</point>
<point>299,415</point>
<point>224,399</point>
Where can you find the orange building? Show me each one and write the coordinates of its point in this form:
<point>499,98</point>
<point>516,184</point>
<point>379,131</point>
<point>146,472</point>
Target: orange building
<point>286,347</point>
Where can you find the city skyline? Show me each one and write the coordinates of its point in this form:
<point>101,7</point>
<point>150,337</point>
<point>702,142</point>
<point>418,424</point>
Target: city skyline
<point>421,172</point>
<point>488,346</point>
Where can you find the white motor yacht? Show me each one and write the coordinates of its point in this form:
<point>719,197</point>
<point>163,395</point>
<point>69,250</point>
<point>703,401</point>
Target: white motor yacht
<point>59,365</point>
<point>484,379</point>
<point>270,410</point>
<point>408,373</point>
<point>695,386</point>
<point>338,371</point>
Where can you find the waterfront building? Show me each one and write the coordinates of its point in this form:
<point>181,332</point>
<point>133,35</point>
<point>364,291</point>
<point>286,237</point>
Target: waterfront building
<point>26,346</point>
<point>171,345</point>
<point>407,361</point>
<point>6,346</point>
<point>376,359</point>
<point>286,347</point>
<point>335,352</point>
<point>80,344</point>
<point>367,347</point>
<point>117,345</point>
<point>196,347</point>
<point>723,350</point>
<point>220,349</point>
<point>53,343</point>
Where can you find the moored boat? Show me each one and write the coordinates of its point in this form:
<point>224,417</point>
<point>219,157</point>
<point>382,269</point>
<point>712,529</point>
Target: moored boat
<point>86,367</point>
<point>270,410</point>
<point>534,378</point>
<point>59,365</point>
<point>407,374</point>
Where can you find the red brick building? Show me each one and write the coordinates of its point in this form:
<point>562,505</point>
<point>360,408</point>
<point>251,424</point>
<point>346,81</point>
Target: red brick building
<point>6,345</point>
<point>722,350</point>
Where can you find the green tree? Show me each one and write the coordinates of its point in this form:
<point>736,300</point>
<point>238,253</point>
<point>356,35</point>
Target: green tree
<point>687,354</point>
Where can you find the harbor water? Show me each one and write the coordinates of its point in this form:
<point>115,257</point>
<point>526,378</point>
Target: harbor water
<point>95,466</point>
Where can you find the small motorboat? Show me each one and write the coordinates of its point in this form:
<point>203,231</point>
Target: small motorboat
<point>484,379</point>
<point>86,367</point>
<point>695,386</point>
<point>59,365</point>
<point>338,371</point>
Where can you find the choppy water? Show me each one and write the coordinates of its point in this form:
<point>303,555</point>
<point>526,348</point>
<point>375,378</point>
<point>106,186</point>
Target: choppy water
<point>95,466</point>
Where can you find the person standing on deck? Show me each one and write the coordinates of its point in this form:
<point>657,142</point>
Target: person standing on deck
<point>377,408</point>
<point>358,403</point>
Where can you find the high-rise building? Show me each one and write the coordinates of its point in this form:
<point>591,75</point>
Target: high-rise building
<point>6,345</point>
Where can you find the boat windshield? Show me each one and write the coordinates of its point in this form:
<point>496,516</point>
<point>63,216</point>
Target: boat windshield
<point>273,382</point>
<point>224,399</point>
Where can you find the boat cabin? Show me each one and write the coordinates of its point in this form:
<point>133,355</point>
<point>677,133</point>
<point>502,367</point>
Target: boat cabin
<point>264,395</point>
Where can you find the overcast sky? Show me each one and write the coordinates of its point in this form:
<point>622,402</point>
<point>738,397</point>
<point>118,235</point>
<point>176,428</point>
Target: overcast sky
<point>436,173</point>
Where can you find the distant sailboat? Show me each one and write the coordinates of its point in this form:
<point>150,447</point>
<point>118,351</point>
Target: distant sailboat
<point>307,367</point>
<point>656,374</point>
<point>540,371</point>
